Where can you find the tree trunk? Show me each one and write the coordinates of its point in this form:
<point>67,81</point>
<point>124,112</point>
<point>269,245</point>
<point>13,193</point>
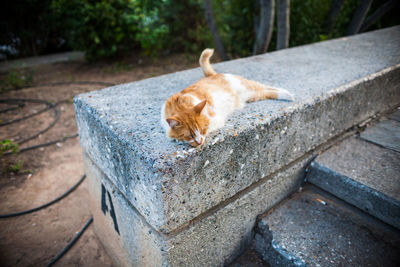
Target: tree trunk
<point>358,17</point>
<point>377,14</point>
<point>266,25</point>
<point>283,24</point>
<point>334,10</point>
<point>256,18</point>
<point>214,30</point>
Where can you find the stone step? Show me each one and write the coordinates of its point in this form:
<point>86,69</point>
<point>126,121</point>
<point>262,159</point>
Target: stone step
<point>363,174</point>
<point>314,228</point>
<point>395,115</point>
<point>385,134</point>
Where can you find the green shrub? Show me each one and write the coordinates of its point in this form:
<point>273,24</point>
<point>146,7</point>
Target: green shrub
<point>172,26</point>
<point>8,145</point>
<point>235,21</point>
<point>17,79</point>
<point>100,28</point>
<point>104,28</point>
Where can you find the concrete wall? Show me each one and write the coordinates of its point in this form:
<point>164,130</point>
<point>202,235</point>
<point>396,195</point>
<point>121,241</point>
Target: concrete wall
<point>200,206</point>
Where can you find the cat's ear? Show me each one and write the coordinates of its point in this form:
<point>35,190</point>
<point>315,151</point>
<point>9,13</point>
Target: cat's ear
<point>200,106</point>
<point>172,122</point>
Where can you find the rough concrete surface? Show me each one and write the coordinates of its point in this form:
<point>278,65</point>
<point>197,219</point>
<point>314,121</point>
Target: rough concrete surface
<point>395,115</point>
<point>365,163</point>
<point>386,134</point>
<point>209,241</point>
<point>313,229</point>
<point>363,174</point>
<point>128,239</point>
<point>337,84</point>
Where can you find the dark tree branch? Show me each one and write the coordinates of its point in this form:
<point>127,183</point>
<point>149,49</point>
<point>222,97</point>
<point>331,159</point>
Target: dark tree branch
<point>334,10</point>
<point>283,21</point>
<point>266,25</point>
<point>214,30</point>
<point>358,17</point>
<point>377,14</point>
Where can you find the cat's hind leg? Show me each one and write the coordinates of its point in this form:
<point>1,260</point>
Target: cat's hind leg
<point>282,94</point>
<point>261,92</point>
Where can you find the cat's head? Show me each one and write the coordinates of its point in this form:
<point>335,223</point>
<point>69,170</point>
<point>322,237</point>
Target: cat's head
<point>190,125</point>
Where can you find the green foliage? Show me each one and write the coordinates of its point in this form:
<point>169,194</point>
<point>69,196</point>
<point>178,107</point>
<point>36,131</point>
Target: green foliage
<point>17,79</point>
<point>16,167</point>
<point>235,21</point>
<point>117,67</point>
<point>153,30</point>
<point>104,28</point>
<point>306,20</point>
<point>173,25</point>
<point>8,145</point>
<point>100,28</point>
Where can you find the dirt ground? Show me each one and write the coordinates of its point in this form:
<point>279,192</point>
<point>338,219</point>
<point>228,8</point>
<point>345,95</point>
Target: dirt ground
<point>40,175</point>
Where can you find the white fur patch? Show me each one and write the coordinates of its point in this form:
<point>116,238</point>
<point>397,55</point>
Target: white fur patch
<point>163,120</point>
<point>223,104</point>
<point>285,94</point>
<point>195,99</point>
<point>198,137</point>
<point>236,84</point>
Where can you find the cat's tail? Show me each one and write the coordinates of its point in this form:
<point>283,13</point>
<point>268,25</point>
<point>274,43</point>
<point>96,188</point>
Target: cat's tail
<point>205,62</point>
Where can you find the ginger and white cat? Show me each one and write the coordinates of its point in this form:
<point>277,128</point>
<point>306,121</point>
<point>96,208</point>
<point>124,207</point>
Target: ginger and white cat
<point>204,106</point>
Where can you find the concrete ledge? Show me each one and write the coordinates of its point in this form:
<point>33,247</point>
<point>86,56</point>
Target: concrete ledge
<point>173,187</point>
<point>336,85</point>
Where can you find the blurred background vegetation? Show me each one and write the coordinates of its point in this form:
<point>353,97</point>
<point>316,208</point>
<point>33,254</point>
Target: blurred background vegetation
<point>104,28</point>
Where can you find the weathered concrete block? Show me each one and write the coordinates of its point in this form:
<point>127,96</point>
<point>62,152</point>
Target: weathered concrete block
<point>172,186</point>
<point>211,240</point>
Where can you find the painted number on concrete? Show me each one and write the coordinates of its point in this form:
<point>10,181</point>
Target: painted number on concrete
<point>110,209</point>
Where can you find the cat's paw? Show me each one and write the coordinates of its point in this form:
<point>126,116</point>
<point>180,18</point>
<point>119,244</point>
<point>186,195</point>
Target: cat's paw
<point>285,95</point>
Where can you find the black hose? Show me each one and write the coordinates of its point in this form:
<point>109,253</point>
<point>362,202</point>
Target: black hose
<point>3,216</point>
<point>18,103</point>
<point>16,106</point>
<point>56,117</point>
<point>70,243</point>
<point>11,100</point>
<point>50,106</point>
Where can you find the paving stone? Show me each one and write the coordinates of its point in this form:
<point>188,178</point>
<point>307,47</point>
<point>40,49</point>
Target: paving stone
<point>315,229</point>
<point>363,174</point>
<point>386,133</point>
